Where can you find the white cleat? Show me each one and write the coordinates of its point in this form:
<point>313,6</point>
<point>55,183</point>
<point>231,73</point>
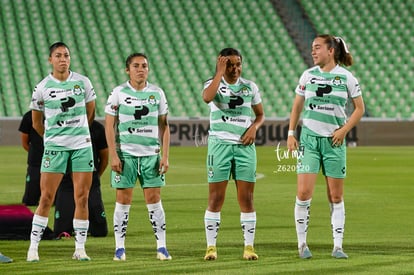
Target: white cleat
<point>80,255</point>
<point>32,256</point>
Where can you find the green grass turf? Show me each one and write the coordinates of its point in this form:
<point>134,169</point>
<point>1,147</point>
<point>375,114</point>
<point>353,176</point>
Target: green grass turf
<point>379,236</point>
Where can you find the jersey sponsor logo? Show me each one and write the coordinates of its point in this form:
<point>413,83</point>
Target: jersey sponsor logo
<point>235,101</point>
<point>62,122</point>
<point>323,89</point>
<point>140,111</point>
<point>66,103</point>
<point>319,107</point>
<point>132,130</point>
<point>54,93</point>
<point>233,119</point>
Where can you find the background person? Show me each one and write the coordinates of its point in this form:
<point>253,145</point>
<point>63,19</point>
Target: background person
<point>322,94</point>
<point>231,148</point>
<point>32,142</point>
<point>63,106</point>
<point>64,202</point>
<point>136,125</point>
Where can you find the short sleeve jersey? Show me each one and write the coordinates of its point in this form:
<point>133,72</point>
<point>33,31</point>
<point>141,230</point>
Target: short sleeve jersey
<point>326,95</point>
<point>64,106</point>
<point>231,109</point>
<point>137,115</point>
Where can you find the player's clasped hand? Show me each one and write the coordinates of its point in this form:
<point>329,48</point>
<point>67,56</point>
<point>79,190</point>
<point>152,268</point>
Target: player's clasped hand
<point>292,143</point>
<point>116,165</point>
<point>163,168</point>
<point>249,136</point>
<point>338,137</point>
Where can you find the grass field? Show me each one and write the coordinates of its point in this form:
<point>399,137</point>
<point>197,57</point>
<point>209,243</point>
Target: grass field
<point>379,236</point>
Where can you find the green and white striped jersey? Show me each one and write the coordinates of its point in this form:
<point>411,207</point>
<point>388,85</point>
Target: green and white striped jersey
<point>137,113</point>
<point>231,109</point>
<point>326,95</point>
<point>64,106</point>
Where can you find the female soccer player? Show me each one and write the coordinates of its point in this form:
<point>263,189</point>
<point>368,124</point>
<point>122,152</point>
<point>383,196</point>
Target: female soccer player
<point>322,94</point>
<point>136,120</point>
<point>66,101</point>
<point>231,149</point>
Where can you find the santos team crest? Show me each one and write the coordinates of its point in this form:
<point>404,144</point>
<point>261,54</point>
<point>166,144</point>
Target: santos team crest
<point>152,100</point>
<point>77,90</point>
<point>337,81</point>
<point>245,91</point>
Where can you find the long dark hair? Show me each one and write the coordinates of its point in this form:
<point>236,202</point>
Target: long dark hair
<point>342,55</point>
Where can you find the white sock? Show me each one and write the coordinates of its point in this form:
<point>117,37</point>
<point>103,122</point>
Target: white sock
<point>81,232</point>
<point>302,215</point>
<point>121,216</point>
<point>338,222</point>
<point>39,224</point>
<point>212,226</point>
<point>248,224</point>
<point>157,219</point>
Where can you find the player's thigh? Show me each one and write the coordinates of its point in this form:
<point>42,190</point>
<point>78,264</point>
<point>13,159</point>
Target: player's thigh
<point>219,161</point>
<point>82,160</point>
<point>245,162</point>
<point>308,156</point>
<point>149,175</point>
<point>129,175</point>
<point>55,161</point>
<point>333,160</point>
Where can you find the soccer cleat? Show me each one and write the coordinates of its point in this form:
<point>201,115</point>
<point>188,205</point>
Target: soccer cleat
<point>163,255</point>
<point>5,259</point>
<point>249,253</point>
<point>339,253</point>
<point>304,252</point>
<point>80,255</point>
<point>120,254</point>
<point>32,256</point>
<point>211,253</point>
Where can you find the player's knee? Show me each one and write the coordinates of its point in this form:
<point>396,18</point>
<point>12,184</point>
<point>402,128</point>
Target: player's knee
<point>81,201</point>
